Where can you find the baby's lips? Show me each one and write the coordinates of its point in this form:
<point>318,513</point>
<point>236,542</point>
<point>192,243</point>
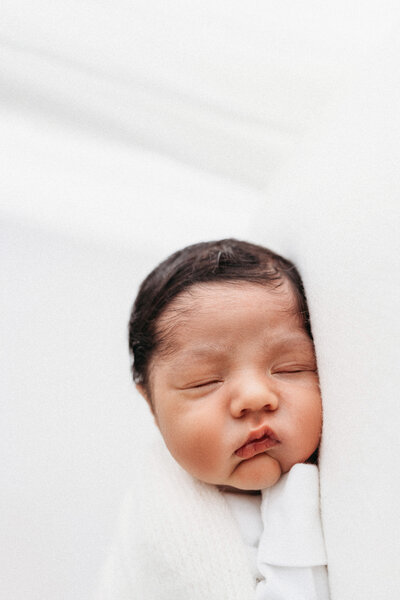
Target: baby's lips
<point>259,440</point>
<point>252,448</point>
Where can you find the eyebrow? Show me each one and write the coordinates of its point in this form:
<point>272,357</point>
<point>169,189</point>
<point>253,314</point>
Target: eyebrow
<point>297,338</point>
<point>201,351</point>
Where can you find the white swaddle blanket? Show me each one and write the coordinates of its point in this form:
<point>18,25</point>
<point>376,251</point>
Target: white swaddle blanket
<point>179,538</point>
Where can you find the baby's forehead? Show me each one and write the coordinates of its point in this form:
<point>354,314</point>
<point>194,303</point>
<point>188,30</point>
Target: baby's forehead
<point>213,295</point>
<point>218,306</point>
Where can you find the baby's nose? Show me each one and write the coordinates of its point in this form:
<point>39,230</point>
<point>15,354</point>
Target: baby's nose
<point>254,395</point>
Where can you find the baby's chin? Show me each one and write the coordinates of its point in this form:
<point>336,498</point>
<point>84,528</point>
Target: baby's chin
<point>257,473</point>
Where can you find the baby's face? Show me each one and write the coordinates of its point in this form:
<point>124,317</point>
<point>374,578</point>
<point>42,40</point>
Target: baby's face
<point>236,397</point>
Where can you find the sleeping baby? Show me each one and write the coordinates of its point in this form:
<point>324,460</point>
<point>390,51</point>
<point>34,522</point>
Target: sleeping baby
<point>223,355</point>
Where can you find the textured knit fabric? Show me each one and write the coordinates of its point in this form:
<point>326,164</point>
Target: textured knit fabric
<point>177,540</point>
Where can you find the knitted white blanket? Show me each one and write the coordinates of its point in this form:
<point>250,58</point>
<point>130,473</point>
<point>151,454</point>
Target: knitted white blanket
<point>166,513</point>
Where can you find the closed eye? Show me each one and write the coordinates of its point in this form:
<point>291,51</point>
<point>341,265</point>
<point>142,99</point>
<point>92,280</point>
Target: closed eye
<point>205,384</point>
<point>295,370</point>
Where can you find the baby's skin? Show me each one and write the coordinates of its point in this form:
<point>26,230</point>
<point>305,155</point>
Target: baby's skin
<point>234,386</point>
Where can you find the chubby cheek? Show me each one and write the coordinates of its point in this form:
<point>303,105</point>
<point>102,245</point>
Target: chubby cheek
<point>305,442</point>
<point>196,447</point>
<point>315,426</point>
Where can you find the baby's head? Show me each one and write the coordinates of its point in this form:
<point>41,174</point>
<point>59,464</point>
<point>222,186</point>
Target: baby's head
<point>223,353</point>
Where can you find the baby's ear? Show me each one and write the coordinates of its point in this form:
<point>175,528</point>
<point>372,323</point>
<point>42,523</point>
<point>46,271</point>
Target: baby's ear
<point>145,394</point>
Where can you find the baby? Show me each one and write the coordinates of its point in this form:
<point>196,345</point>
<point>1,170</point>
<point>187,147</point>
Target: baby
<point>223,354</point>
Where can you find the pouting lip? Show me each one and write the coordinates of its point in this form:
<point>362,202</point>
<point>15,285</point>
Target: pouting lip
<point>266,438</point>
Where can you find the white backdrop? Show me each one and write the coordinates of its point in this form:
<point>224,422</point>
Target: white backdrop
<point>130,129</point>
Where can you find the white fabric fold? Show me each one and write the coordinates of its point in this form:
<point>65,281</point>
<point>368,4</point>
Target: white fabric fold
<point>292,535</point>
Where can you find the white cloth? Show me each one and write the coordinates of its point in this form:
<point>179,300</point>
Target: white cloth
<point>176,540</point>
<point>180,538</point>
<point>282,531</point>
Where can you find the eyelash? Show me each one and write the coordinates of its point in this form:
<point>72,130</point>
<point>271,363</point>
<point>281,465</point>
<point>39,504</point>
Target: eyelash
<point>296,371</point>
<point>200,385</point>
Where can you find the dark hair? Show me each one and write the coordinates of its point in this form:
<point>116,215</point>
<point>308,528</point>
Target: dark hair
<point>223,260</point>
